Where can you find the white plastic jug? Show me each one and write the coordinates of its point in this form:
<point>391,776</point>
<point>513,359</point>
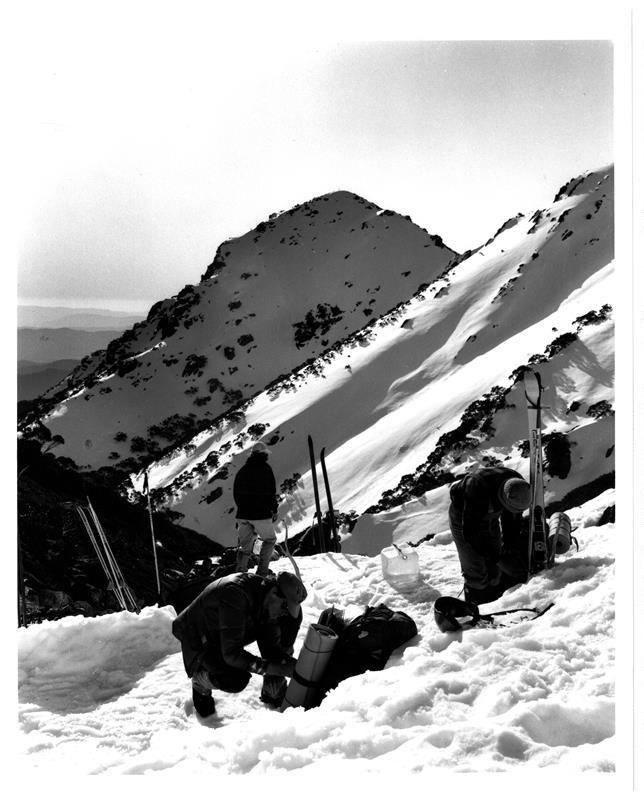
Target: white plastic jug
<point>400,565</point>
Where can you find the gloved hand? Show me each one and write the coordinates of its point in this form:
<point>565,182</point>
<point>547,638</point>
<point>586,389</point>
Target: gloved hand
<point>283,668</point>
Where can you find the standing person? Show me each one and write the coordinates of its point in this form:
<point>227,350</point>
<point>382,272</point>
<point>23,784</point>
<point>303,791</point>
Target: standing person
<point>229,614</point>
<point>485,520</point>
<point>256,499</point>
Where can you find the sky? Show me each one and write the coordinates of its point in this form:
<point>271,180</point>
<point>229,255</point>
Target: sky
<point>148,139</point>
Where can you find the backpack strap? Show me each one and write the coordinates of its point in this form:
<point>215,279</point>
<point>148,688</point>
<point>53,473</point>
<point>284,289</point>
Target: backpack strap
<point>305,681</point>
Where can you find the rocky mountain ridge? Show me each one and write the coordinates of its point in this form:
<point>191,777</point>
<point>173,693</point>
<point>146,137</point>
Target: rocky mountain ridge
<point>270,301</point>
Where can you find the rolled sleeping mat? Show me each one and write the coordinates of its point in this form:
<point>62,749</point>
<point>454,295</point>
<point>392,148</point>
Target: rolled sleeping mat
<point>304,687</point>
<point>560,535</point>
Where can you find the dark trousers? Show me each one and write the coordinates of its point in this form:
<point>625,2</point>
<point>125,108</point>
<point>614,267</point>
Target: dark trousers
<point>229,679</point>
<point>222,675</point>
<point>479,557</point>
<point>210,659</point>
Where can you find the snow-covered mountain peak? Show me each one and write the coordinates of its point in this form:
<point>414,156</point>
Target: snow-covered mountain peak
<point>310,277</point>
<point>321,222</point>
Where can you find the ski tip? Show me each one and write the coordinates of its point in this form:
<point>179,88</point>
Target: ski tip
<point>532,387</point>
<point>529,377</point>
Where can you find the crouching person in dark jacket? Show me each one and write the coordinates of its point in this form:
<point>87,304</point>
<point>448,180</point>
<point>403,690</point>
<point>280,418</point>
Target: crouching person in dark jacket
<point>485,520</point>
<point>229,614</point>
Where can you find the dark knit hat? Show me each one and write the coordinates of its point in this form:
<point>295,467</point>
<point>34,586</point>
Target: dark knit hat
<point>292,588</point>
<point>515,495</point>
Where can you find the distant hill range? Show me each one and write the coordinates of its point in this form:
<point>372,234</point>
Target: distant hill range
<point>34,379</point>
<point>52,341</point>
<point>44,345</point>
<point>79,318</point>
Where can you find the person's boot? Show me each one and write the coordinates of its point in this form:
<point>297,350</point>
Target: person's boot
<point>203,703</point>
<point>482,596</point>
<point>273,690</point>
<point>202,694</point>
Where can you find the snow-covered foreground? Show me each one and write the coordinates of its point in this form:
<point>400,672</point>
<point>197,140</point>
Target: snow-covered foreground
<point>109,695</point>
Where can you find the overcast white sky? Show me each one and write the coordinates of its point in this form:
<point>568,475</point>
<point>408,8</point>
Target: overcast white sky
<point>152,132</point>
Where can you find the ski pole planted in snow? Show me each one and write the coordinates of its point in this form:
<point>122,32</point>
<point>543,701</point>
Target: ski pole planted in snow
<point>316,492</point>
<point>146,489</point>
<point>288,552</point>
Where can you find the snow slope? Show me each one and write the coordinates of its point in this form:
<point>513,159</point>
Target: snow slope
<point>381,401</point>
<point>108,695</point>
<point>568,379</point>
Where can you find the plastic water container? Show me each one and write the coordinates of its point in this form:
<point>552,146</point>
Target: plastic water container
<point>560,528</point>
<point>400,565</point>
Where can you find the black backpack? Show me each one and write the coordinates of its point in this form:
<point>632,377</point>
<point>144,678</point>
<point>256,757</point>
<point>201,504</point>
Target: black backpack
<point>366,642</point>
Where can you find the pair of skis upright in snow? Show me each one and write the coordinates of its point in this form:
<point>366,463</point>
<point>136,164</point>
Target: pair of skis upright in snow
<point>318,511</point>
<point>538,556</point>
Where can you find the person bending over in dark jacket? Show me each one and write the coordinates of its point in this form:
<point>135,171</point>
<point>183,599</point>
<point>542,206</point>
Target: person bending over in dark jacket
<point>255,495</point>
<point>485,520</point>
<point>229,614</point>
